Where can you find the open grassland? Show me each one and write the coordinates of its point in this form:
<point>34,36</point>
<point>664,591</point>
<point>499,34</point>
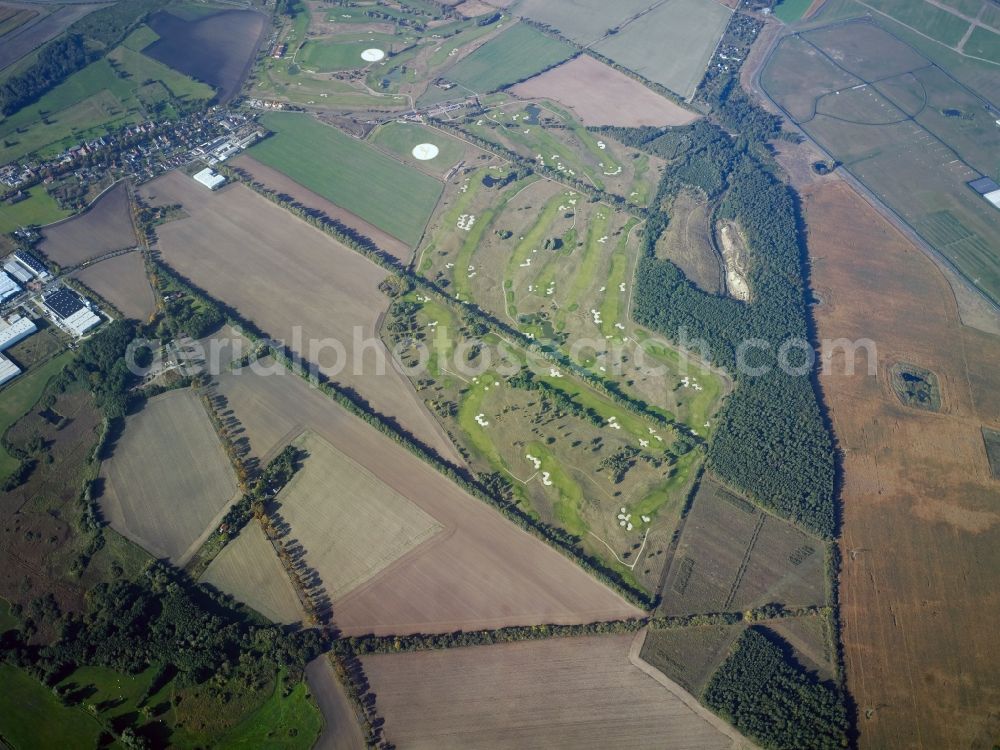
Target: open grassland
<point>790,11</point>
<point>248,569</point>
<point>809,638</point>
<point>169,478</point>
<point>343,51</point>
<point>517,54</point>
<point>104,227</point>
<point>274,180</point>
<point>480,572</point>
<point>20,395</point>
<point>293,278</point>
<point>687,242</point>
<point>122,88</point>
<point>672,44</point>
<point>732,556</point>
<point>984,43</point>
<point>565,693</point>
<point>920,523</point>
<point>350,523</point>
<point>597,94</point>
<point>400,138</point>
<point>38,209</point>
<point>927,18</point>
<point>348,172</point>
<point>31,716</point>
<point>915,126</point>
<point>289,721</point>
<point>122,281</point>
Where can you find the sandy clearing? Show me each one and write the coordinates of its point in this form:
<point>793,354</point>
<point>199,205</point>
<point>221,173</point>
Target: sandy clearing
<point>248,569</point>
<point>473,8</point>
<point>600,95</point>
<point>350,523</point>
<point>169,479</point>
<point>104,227</point>
<point>558,693</point>
<point>275,180</point>
<point>480,572</point>
<point>122,282</point>
<point>921,523</point>
<point>341,730</point>
<point>295,283</point>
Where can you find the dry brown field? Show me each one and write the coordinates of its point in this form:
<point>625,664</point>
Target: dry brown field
<point>473,8</point>
<point>600,95</point>
<point>557,693</point>
<point>921,531</point>
<point>248,569</point>
<point>168,481</point>
<point>807,636</point>
<point>481,571</point>
<point>350,523</point>
<point>122,281</point>
<point>104,227</point>
<point>275,180</point>
<point>341,729</point>
<point>687,242</point>
<point>293,282</point>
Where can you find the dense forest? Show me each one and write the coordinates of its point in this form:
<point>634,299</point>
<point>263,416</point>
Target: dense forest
<point>773,700</point>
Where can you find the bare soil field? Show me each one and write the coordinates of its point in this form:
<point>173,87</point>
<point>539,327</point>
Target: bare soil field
<point>248,569</point>
<point>559,693</point>
<point>293,282</point>
<point>275,180</point>
<point>341,729</point>
<point>921,529</point>
<point>480,572</point>
<point>351,524</point>
<point>600,95</point>
<point>104,227</point>
<point>168,480</point>
<point>122,281</point>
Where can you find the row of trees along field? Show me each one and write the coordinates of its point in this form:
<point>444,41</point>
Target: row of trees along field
<point>770,698</point>
<point>771,440</point>
<point>83,42</point>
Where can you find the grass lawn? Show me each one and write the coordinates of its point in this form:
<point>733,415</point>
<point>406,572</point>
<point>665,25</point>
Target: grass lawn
<point>983,43</point>
<point>290,722</point>
<point>344,52</point>
<point>41,208</point>
<point>22,394</point>
<point>399,139</point>
<point>350,173</point>
<point>517,54</point>
<point>791,10</point>
<point>31,716</point>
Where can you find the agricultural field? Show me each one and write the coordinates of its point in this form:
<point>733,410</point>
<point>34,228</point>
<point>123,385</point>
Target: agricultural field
<point>927,18</point>
<point>13,17</point>
<point>396,198</point>
<point>548,693</point>
<point>672,44</point>
<point>809,638</point>
<point>38,209</point>
<point>338,300</point>
<point>123,87</point>
<point>517,54</point>
<point>248,569</point>
<point>350,523</point>
<point>480,572</point>
<point>790,11</point>
<point>551,136</point>
<point>732,556</point>
<point>169,479</point>
<point>106,226</point>
<point>122,281</point>
<point>19,42</point>
<point>915,126</point>
<point>597,94</point>
<point>991,439</point>
<point>916,516</point>
<point>689,656</point>
<point>584,21</point>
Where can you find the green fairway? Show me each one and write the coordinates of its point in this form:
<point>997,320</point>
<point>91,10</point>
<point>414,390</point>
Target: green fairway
<point>344,52</point>
<point>31,716</point>
<point>517,54</point>
<point>350,173</point>
<point>20,395</point>
<point>399,139</point>
<point>40,209</point>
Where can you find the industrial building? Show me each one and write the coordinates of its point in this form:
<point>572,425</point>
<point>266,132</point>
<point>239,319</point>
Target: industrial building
<point>70,312</point>
<point>32,263</point>
<point>988,188</point>
<point>18,272</point>
<point>8,370</point>
<point>210,179</point>
<point>13,329</point>
<point>8,287</point>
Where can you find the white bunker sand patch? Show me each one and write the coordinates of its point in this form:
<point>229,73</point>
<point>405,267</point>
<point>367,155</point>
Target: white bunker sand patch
<point>350,523</point>
<point>425,151</point>
<point>372,55</point>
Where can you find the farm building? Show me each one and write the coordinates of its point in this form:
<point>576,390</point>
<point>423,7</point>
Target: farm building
<point>69,311</point>
<point>30,262</point>
<point>984,185</point>
<point>14,329</point>
<point>8,287</point>
<point>18,272</point>
<point>8,370</point>
<point>993,198</point>
<point>210,179</point>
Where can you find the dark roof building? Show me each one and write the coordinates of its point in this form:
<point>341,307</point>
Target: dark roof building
<point>984,185</point>
<point>64,303</point>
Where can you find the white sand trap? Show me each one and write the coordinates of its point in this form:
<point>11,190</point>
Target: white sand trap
<point>425,151</point>
<point>372,55</point>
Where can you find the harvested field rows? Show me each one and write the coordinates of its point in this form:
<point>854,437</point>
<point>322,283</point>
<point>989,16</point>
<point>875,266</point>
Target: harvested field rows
<point>480,572</point>
<point>169,479</point>
<point>122,281</point>
<point>561,693</point>
<point>295,283</point>
<point>104,227</point>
